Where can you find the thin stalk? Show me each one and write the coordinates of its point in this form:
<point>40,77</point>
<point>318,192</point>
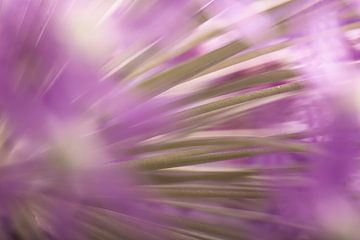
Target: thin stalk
<point>232,101</point>
<point>192,175</point>
<point>239,83</point>
<point>183,72</point>
<point>185,159</point>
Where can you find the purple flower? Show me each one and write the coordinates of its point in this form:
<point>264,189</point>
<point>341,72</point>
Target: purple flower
<point>167,119</point>
<point>325,51</point>
<point>53,101</point>
<point>322,205</point>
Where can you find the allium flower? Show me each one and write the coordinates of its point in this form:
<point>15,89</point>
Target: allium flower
<point>185,120</point>
<point>322,205</point>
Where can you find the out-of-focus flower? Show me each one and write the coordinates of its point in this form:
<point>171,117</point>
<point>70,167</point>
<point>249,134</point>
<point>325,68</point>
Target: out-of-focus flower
<point>323,200</point>
<point>328,69</point>
<point>185,120</point>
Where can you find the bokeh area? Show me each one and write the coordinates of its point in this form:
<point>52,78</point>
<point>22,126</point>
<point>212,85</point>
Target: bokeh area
<point>179,120</point>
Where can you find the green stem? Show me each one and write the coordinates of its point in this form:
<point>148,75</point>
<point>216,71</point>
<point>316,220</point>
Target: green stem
<point>239,83</point>
<point>204,191</point>
<point>182,176</point>
<point>179,49</point>
<point>222,141</point>
<point>182,72</point>
<point>186,159</point>
<point>245,57</point>
<point>232,101</point>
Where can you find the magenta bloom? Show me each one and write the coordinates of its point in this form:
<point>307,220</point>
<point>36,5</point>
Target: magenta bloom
<point>322,205</point>
<point>182,120</point>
